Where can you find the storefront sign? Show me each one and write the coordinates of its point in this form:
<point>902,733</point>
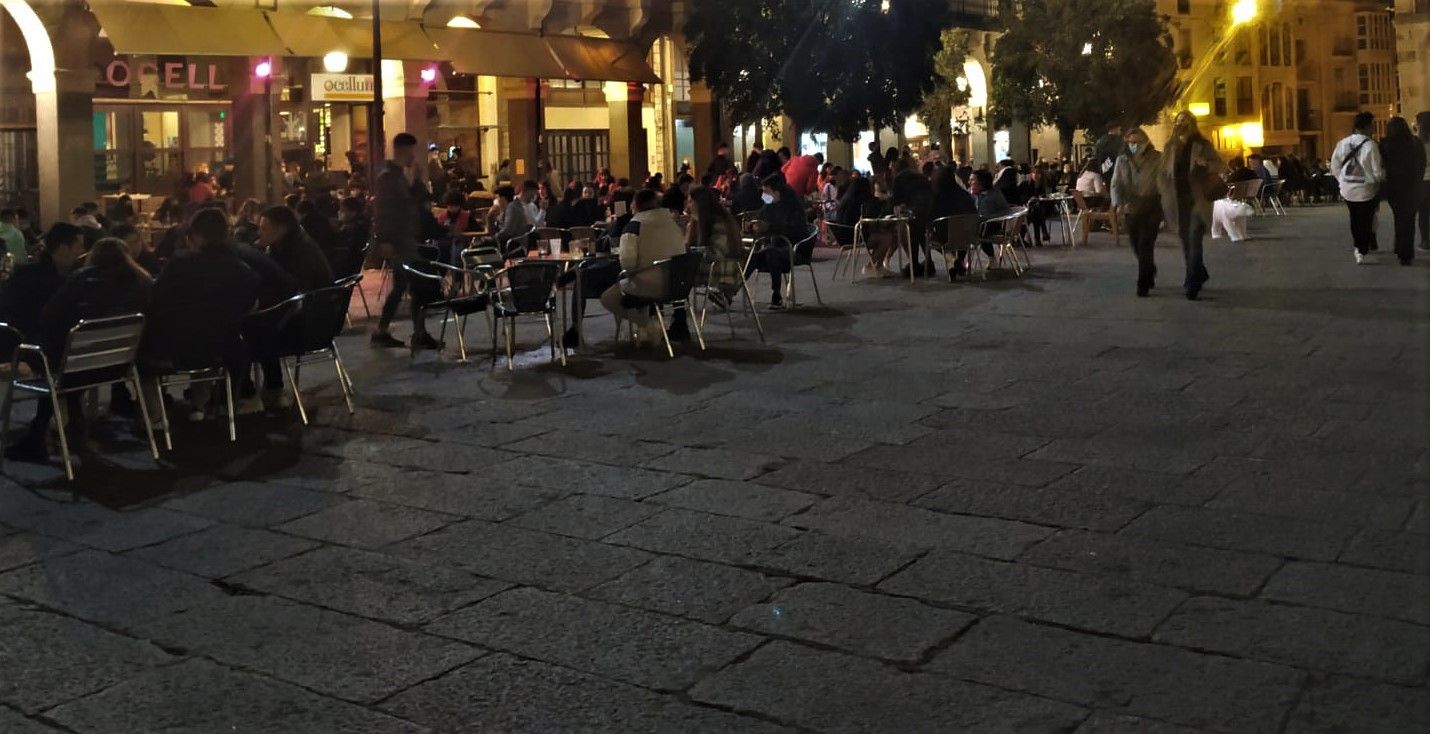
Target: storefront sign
<point>170,75</point>
<point>341,88</point>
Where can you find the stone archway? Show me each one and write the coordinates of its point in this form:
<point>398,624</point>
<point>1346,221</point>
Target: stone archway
<point>63,106</point>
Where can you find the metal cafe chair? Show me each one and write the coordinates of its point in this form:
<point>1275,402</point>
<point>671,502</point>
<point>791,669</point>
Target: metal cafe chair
<point>960,235</point>
<point>680,275</point>
<point>515,246</point>
<point>524,289</point>
<point>801,253</point>
<point>307,333</point>
<point>583,238</point>
<point>848,238</point>
<point>98,352</point>
<point>1003,235</point>
<point>199,360</point>
<point>454,299</point>
<point>1270,194</point>
<point>704,290</point>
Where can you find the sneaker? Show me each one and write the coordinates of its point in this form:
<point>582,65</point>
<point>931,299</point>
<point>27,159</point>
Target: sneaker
<point>196,416</point>
<point>1361,258</point>
<point>385,340</point>
<point>424,341</point>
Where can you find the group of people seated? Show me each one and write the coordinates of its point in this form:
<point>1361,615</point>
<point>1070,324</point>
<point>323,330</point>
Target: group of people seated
<point>195,299</point>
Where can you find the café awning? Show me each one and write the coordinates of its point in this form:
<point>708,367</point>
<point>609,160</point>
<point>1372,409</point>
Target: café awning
<point>143,28</point>
<point>598,59</point>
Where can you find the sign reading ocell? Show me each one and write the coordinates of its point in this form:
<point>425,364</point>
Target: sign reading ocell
<point>341,88</point>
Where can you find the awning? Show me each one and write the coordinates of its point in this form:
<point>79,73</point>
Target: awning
<point>494,53</point>
<point>599,59</point>
<point>143,28</point>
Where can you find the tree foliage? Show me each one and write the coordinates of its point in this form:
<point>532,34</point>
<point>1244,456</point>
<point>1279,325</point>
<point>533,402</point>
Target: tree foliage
<point>936,110</point>
<point>1082,64</point>
<point>833,66</point>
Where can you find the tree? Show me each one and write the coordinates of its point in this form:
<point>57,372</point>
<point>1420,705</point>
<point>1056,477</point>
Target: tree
<point>1082,64</point>
<point>833,66</point>
<point>937,107</point>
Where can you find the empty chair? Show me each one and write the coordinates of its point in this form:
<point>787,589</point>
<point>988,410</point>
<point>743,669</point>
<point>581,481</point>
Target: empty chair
<point>802,255</point>
<point>1087,216</point>
<point>524,289</point>
<point>98,352</point>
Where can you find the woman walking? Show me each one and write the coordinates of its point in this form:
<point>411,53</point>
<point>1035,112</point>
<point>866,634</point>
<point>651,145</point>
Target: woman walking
<point>1191,172</point>
<point>1135,195</point>
<point>1404,160</point>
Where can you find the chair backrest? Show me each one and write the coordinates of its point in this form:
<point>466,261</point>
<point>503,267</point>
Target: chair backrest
<point>1080,200</point>
<point>318,319</point>
<point>479,258</point>
<point>960,231</point>
<point>681,274</point>
<point>96,344</point>
<point>583,237</point>
<point>518,238</point>
<point>531,286</point>
<point>1243,190</point>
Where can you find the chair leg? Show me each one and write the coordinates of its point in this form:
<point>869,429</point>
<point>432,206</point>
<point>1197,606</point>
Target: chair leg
<point>660,318</point>
<point>164,416</point>
<point>494,339</point>
<point>699,327</point>
<point>754,312</point>
<point>143,412</point>
<point>343,380</point>
<point>9,403</point>
<point>551,334</point>
<point>228,396</point>
<point>461,339</point>
<point>814,281</point>
<point>510,326</point>
<point>363,296</point>
<point>60,424</point>
<point>297,394</point>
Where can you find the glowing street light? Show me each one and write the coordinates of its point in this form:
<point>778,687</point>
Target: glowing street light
<point>1087,49</point>
<point>1199,109</point>
<point>263,69</point>
<point>335,62</point>
<point>1243,12</point>
<point>462,21</point>
<point>428,74</point>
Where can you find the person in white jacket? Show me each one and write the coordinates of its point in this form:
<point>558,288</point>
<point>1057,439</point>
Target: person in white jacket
<point>1357,167</point>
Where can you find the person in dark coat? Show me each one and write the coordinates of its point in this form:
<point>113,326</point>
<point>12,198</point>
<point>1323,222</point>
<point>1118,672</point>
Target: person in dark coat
<point>109,284</point>
<point>1404,160</point>
<point>315,224</point>
<point>289,245</point>
<point>587,210</point>
<point>781,216</point>
<point>353,233</point>
<point>199,301</point>
<point>28,289</point>
<point>913,192</point>
<point>747,195</point>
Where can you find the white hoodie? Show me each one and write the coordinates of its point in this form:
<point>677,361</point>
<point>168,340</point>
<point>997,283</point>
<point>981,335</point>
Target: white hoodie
<point>1360,179</point>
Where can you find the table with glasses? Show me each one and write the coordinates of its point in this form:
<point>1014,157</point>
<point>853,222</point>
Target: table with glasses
<point>567,259</point>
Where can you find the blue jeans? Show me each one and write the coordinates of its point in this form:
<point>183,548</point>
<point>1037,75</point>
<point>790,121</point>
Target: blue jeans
<point>1193,230</point>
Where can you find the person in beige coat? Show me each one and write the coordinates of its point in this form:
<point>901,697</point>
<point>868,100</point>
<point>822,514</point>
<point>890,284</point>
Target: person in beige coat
<point>652,235</point>
<point>1190,180</point>
<point>1135,196</point>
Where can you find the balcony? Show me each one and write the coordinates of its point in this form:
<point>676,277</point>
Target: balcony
<point>1308,120</point>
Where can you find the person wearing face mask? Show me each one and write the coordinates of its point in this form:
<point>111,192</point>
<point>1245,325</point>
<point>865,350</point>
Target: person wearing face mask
<point>1190,179</point>
<point>1135,196</point>
<point>782,217</point>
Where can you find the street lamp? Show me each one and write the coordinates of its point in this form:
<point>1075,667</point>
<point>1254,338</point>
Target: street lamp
<point>335,62</point>
<point>264,70</point>
<point>1243,12</point>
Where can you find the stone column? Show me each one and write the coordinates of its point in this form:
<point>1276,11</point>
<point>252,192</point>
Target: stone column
<point>64,132</point>
<point>255,153</point>
<point>840,153</point>
<point>629,156</point>
<point>704,122</point>
<point>523,124</point>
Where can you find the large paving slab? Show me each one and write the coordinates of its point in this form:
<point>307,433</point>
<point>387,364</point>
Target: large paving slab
<point>1039,504</point>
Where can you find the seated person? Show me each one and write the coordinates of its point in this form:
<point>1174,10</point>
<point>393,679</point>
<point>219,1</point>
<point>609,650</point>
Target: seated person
<point>949,199</point>
<point>29,288</point>
<point>1237,172</point>
<point>353,233</point>
<point>651,235</point>
<point>199,301</point>
<point>315,224</point>
<point>109,284</point>
<point>289,245</point>
<point>988,200</point>
<point>715,229</point>
<point>514,222</point>
<point>782,216</point>
<point>138,248</point>
<point>587,210</point>
<point>456,217</point>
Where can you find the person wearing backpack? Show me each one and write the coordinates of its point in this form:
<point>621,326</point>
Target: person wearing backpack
<point>1357,166</point>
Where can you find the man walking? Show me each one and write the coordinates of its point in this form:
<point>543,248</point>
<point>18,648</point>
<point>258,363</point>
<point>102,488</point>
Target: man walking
<point>1191,172</point>
<point>1107,149</point>
<point>1135,195</point>
<point>1358,169</point>
<point>397,193</point>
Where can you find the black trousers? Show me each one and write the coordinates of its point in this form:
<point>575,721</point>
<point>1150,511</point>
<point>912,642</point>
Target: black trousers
<point>1142,227</point>
<point>401,282</point>
<point>1363,224</point>
<point>1423,215</point>
<point>1404,210</point>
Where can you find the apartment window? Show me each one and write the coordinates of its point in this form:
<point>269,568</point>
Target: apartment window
<point>1362,41</point>
<point>1219,97</point>
<point>1300,51</point>
<point>1245,101</point>
<point>1185,6</point>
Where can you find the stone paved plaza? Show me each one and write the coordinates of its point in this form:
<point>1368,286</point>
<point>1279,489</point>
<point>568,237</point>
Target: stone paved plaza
<point>1032,505</point>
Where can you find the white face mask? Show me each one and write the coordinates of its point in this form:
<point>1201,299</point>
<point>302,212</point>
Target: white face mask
<point>767,198</point>
<point>1135,148</point>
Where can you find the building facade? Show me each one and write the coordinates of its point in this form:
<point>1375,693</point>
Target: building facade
<point>1412,43</point>
<point>1290,79</point>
